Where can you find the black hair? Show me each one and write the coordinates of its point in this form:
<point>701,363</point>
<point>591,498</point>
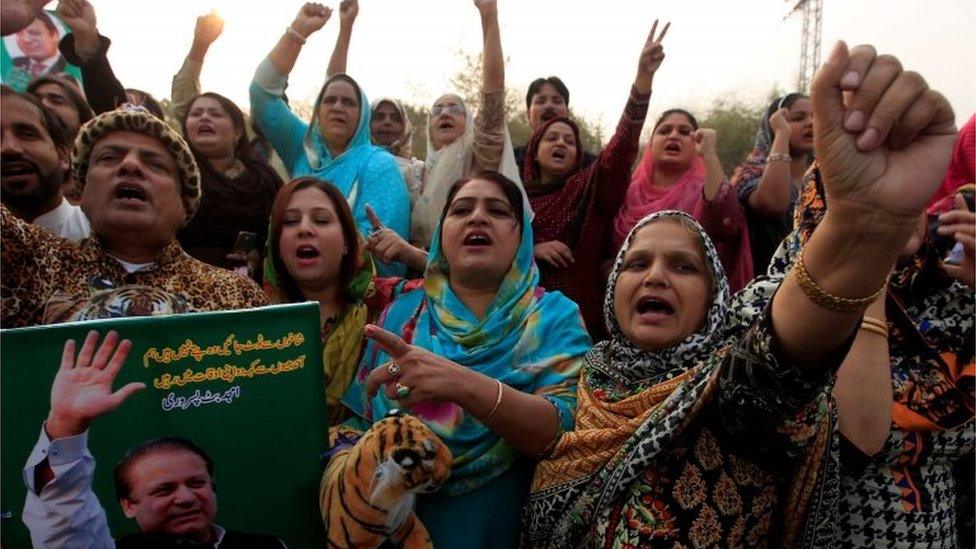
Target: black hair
<point>48,22</point>
<point>81,105</point>
<point>537,84</point>
<point>121,474</point>
<point>51,123</point>
<point>669,112</point>
<point>785,102</point>
<point>511,191</point>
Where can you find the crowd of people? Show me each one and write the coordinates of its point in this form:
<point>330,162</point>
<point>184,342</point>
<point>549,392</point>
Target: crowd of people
<point>614,348</point>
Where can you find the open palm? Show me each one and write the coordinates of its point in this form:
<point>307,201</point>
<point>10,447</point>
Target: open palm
<point>82,388</point>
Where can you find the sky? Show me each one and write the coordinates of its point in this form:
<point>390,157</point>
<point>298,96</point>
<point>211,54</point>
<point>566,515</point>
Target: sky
<point>732,49</point>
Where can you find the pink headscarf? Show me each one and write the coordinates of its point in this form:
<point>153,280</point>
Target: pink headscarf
<point>645,198</point>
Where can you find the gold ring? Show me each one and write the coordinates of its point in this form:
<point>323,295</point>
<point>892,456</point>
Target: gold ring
<point>402,391</point>
<point>394,369</point>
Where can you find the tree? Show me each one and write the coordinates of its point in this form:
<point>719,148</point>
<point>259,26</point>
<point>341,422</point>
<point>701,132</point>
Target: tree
<point>736,123</point>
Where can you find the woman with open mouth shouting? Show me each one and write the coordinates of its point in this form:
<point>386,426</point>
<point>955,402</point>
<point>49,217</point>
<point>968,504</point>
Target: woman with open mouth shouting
<point>574,207</point>
<point>484,356</point>
<point>681,170</point>
<point>315,254</point>
<point>335,144</point>
<point>701,423</point>
<point>238,186</point>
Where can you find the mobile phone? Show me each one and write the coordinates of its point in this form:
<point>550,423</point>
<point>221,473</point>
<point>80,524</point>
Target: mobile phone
<point>946,245</point>
<point>246,242</point>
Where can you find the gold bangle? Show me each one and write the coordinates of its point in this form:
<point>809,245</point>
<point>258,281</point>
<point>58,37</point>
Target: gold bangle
<point>875,322</point>
<point>826,299</point>
<point>498,400</point>
<point>778,157</point>
<point>874,328</point>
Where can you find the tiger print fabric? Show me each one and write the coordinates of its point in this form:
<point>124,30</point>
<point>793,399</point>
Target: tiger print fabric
<point>369,486</point>
<point>47,280</point>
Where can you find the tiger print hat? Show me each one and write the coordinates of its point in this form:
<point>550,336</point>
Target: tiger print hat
<point>139,120</point>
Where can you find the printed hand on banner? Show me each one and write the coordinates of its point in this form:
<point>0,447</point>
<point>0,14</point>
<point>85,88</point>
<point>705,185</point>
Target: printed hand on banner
<point>82,388</point>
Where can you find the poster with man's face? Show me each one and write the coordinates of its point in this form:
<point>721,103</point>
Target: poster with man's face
<point>33,51</point>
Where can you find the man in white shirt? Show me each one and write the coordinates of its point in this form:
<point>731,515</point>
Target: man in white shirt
<point>34,153</point>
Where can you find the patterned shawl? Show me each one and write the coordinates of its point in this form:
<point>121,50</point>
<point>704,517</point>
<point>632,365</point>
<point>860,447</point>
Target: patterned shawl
<point>560,207</point>
<point>528,339</point>
<point>632,403</point>
<point>938,396</point>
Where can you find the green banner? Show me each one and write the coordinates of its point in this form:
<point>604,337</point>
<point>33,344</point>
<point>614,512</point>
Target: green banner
<point>33,51</point>
<point>246,386</point>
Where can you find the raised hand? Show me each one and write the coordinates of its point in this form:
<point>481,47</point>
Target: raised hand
<point>311,18</point>
<point>780,124</point>
<point>706,140</point>
<point>961,225</point>
<point>82,388</point>
<point>887,151</point>
<point>79,15</point>
<point>348,10</point>
<point>554,253</point>
<point>488,8</point>
<point>651,57</point>
<point>209,27</point>
<point>387,246</point>
<point>427,377</point>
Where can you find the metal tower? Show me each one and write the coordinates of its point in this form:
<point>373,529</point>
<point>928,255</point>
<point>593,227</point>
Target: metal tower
<point>812,11</point>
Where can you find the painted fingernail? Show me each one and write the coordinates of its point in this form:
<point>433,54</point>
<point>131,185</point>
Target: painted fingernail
<point>867,139</point>
<point>854,121</point>
<point>851,79</point>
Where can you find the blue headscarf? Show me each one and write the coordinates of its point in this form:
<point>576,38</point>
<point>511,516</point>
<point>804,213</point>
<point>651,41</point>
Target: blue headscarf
<point>364,173</point>
<point>529,339</point>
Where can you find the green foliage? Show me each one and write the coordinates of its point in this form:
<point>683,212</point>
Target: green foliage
<point>736,123</point>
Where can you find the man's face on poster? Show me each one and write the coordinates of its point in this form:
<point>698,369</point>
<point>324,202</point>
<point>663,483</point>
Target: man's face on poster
<point>38,41</point>
<point>171,492</point>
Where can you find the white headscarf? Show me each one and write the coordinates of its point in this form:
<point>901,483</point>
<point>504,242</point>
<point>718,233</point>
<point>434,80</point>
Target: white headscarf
<point>447,165</point>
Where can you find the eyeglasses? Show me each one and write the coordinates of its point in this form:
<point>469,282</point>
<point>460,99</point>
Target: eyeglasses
<point>451,108</point>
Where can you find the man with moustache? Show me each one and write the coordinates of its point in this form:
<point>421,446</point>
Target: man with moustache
<point>140,184</point>
<point>33,161</point>
<point>546,99</point>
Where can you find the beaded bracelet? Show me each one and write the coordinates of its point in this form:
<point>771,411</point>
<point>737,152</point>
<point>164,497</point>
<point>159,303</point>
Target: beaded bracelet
<point>826,299</point>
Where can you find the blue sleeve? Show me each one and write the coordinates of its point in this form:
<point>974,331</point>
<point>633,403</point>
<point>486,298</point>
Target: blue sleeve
<point>282,128</point>
<point>382,187</point>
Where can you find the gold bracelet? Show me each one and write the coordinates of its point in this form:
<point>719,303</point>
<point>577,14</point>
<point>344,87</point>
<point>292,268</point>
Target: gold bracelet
<point>875,322</point>
<point>498,400</point>
<point>874,328</point>
<point>826,299</point>
<point>778,157</point>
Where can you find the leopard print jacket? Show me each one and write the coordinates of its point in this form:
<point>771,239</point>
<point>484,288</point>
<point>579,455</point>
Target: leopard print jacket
<point>46,280</point>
